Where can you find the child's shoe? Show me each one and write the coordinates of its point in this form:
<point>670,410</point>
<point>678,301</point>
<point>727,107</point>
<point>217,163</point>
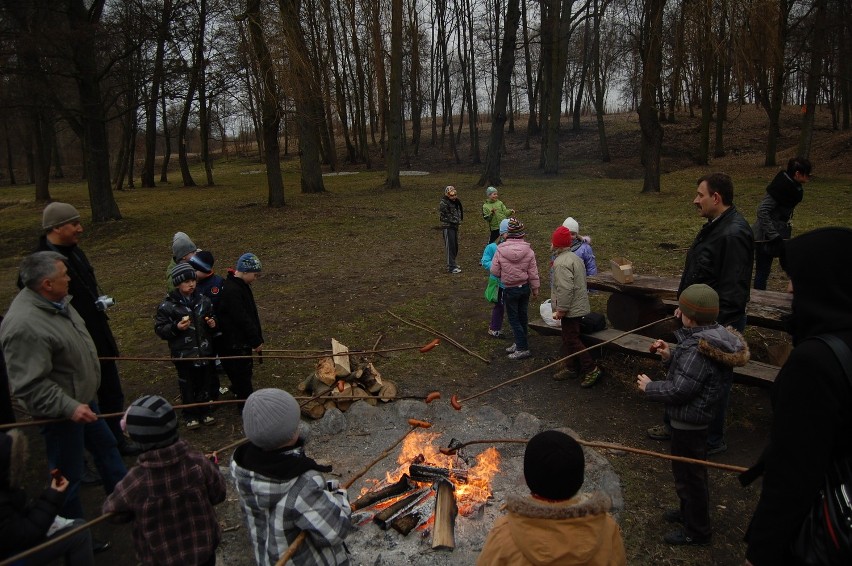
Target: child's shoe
<point>512,348</point>
<point>192,424</point>
<point>495,333</point>
<point>520,354</point>
<point>208,420</point>
<point>591,378</point>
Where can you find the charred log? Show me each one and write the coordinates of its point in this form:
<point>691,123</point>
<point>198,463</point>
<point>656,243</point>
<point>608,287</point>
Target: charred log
<point>373,497</point>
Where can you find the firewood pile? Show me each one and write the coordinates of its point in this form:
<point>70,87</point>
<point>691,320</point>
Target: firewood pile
<point>342,379</point>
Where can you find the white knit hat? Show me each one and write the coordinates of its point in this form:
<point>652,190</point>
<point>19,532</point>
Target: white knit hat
<point>572,225</point>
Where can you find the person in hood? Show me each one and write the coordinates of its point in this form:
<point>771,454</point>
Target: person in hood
<point>699,368</point>
<point>170,493</point>
<point>514,264</point>
<point>774,215</point>
<point>811,396</point>
<point>282,491</point>
<point>554,524</point>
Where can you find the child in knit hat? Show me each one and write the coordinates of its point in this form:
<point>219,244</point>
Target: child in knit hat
<point>496,325</point>
<point>555,524</point>
<point>182,249</point>
<point>451,215</point>
<point>25,524</point>
<point>185,319</point>
<point>698,368</point>
<point>494,212</point>
<point>170,493</point>
<point>282,491</point>
<point>582,246</point>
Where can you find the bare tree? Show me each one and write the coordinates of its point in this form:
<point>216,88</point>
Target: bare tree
<point>395,115</point>
<point>649,120</point>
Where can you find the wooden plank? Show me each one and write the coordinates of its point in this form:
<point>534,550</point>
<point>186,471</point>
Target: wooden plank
<point>753,373</point>
<point>340,355</point>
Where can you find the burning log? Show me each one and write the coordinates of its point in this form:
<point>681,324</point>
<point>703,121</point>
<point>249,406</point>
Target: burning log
<point>372,497</point>
<point>401,507</point>
<point>446,510</point>
<point>423,472</point>
<point>404,524</point>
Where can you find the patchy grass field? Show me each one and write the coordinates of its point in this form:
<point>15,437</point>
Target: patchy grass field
<point>336,263</point>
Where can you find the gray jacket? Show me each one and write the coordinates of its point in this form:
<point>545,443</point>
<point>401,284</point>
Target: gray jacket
<point>51,359</point>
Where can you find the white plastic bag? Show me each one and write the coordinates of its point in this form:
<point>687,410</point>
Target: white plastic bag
<point>546,311</point>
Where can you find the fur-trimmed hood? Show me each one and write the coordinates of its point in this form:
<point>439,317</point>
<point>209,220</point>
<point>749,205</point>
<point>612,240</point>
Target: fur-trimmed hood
<point>579,531</point>
<point>724,345</point>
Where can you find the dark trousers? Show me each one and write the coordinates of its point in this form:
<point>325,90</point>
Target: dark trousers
<point>762,266</point>
<point>194,384</point>
<point>451,245</point>
<point>517,302</point>
<point>111,398</point>
<point>492,237</point>
<point>691,482</point>
<point>497,311</point>
<point>571,343</point>
<point>239,371</point>
<point>76,550</point>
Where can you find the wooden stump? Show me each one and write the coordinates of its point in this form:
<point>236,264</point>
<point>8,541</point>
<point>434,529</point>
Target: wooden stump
<point>443,530</point>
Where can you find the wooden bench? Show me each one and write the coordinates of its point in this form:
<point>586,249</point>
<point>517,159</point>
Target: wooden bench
<point>649,298</point>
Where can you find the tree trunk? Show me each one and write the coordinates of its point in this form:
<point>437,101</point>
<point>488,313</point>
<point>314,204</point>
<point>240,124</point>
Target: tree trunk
<point>270,115</point>
<point>578,101</point>
<point>706,69</point>
<point>491,173</point>
<point>167,143</point>
<point>649,117</point>
<point>416,96</point>
<point>818,44</point>
<point>596,71</point>
<point>723,81</point>
<point>183,126</point>
<point>154,96</point>
<point>561,22</point>
<point>532,82</point>
<point>394,123</point>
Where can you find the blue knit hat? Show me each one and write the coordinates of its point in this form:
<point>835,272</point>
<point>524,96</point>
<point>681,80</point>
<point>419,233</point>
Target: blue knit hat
<point>504,225</point>
<point>248,263</point>
<point>490,191</point>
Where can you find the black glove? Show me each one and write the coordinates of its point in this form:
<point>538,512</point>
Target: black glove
<point>775,246</point>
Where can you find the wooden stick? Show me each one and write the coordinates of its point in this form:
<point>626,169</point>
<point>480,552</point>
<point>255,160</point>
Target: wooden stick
<point>297,542</point>
<point>608,446</point>
<point>53,540</point>
<point>417,324</point>
<point>559,361</point>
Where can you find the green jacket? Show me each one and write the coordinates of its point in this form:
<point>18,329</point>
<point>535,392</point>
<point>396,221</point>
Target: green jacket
<point>51,359</point>
<point>500,212</point>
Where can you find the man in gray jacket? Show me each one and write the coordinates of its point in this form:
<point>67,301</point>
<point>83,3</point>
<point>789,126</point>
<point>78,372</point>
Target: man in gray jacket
<point>54,371</point>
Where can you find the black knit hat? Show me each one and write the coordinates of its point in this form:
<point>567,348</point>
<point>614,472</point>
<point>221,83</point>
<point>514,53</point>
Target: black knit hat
<point>554,465</point>
<point>202,261</point>
<point>182,272</point>
<point>151,421</point>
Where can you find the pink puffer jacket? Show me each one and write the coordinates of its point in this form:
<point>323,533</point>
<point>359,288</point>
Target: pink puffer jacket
<point>514,263</point>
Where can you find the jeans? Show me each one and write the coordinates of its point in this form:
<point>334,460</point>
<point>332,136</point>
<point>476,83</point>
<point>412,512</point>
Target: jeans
<point>517,301</point>
<point>65,443</point>
<point>691,482</point>
<point>762,266</point>
<point>497,311</point>
<point>451,245</point>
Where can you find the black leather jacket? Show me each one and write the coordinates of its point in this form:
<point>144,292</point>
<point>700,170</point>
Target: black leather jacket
<point>722,257</point>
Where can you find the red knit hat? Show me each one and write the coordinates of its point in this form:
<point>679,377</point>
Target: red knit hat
<point>561,238</point>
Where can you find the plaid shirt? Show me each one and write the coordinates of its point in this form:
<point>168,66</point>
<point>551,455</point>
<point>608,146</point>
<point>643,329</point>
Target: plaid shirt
<point>170,495</point>
<point>277,511</point>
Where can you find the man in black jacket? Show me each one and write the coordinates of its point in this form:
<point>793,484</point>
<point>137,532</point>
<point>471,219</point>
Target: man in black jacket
<point>722,257</point>
<point>62,231</point>
<point>810,397</point>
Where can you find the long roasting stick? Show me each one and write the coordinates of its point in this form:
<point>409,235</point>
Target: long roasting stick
<point>417,324</point>
<point>297,542</point>
<point>456,403</point>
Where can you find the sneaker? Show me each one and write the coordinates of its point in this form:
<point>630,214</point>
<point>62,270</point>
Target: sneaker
<point>100,545</point>
<point>680,538</point>
<point>564,374</point>
<point>191,424</point>
<point>512,348</point>
<point>208,420</point>
<point>223,390</point>
<point>455,270</point>
<point>718,449</point>
<point>660,432</point>
<point>592,377</point>
<point>495,333</point>
<point>520,354</point>
<point>673,516</point>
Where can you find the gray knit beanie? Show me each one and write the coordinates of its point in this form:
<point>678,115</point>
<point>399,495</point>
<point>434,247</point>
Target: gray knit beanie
<point>271,418</point>
<point>700,303</point>
<point>183,272</point>
<point>58,213</point>
<point>151,421</point>
<point>181,246</point>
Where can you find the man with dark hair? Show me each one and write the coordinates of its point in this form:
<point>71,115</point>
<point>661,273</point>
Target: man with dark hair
<point>722,257</point>
<point>774,214</point>
<point>54,372</point>
<point>62,231</point>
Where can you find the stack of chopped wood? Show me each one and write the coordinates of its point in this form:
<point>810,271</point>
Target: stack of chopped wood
<point>341,379</point>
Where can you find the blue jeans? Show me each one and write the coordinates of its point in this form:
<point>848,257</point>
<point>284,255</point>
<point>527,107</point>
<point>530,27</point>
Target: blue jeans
<point>65,443</point>
<point>517,301</point>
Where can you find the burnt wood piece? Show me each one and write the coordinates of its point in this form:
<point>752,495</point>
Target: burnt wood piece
<point>446,510</point>
<point>423,472</point>
<point>404,524</point>
<point>401,507</point>
<point>372,497</point>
